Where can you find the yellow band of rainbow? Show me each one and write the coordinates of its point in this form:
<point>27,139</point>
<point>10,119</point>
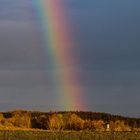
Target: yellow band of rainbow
<point>59,44</point>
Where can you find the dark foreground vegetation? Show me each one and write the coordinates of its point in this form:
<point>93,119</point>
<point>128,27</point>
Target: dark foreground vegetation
<point>67,135</point>
<point>69,121</point>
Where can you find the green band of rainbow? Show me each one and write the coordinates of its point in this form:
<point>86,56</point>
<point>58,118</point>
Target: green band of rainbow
<point>59,45</point>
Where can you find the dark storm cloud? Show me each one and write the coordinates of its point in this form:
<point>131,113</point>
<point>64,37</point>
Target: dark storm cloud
<point>18,40</point>
<point>13,10</point>
<point>14,41</point>
<point>106,34</point>
<point>28,89</point>
<point>22,80</point>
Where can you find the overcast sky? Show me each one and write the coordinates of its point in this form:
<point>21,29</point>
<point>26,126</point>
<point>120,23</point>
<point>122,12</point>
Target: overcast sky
<point>107,38</point>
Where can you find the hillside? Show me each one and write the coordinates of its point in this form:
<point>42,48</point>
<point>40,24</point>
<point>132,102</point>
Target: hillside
<point>62,120</point>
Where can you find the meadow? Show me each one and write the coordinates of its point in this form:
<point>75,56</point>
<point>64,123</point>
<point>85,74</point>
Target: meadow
<point>66,135</point>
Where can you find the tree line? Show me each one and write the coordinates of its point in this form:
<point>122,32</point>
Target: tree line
<point>92,121</point>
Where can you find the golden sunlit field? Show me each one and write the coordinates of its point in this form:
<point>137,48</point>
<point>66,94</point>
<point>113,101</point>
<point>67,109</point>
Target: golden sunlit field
<point>66,135</point>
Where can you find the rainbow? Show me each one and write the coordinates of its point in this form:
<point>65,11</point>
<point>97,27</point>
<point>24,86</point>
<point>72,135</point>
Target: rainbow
<point>59,44</point>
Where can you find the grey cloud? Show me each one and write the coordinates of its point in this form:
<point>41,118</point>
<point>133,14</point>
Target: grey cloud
<point>106,37</point>
<point>14,10</point>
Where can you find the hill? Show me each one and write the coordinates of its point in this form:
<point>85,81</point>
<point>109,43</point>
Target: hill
<point>63,120</point>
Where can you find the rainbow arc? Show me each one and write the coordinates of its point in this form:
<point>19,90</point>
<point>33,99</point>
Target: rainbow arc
<point>59,44</point>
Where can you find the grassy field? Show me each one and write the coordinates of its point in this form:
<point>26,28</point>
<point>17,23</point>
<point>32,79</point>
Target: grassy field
<point>67,135</point>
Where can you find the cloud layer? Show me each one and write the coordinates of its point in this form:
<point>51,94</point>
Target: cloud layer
<point>106,36</point>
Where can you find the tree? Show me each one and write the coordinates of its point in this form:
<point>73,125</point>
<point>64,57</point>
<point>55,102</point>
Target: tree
<point>74,122</point>
<point>56,122</point>
<point>119,126</point>
<point>41,122</point>
<point>21,119</point>
<point>98,125</point>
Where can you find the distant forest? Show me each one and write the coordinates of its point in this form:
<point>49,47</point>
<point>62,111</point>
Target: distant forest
<point>91,121</point>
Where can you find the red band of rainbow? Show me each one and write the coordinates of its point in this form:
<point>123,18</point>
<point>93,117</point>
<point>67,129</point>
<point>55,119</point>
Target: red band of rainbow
<point>59,43</point>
